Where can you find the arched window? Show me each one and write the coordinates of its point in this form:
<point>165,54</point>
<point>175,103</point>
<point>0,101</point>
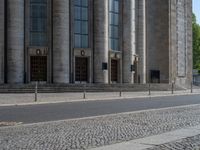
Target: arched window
<point>38,22</point>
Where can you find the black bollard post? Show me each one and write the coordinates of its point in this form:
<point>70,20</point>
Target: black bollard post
<point>84,92</point>
<point>36,91</point>
<point>149,89</point>
<point>172,88</point>
<point>120,93</point>
<point>191,87</point>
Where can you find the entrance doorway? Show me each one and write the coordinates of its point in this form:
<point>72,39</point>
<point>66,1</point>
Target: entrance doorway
<point>155,76</point>
<point>114,70</point>
<point>38,68</point>
<point>81,69</point>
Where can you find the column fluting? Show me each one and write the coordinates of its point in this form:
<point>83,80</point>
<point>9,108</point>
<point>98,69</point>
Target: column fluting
<point>100,41</point>
<point>129,47</point>
<point>141,40</point>
<point>61,41</point>
<point>15,41</point>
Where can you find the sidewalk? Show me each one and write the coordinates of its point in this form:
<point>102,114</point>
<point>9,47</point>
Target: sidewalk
<point>23,99</point>
<point>178,139</point>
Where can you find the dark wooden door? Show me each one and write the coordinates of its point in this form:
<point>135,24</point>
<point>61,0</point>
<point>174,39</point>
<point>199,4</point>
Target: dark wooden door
<point>81,69</point>
<point>38,68</point>
<point>114,70</point>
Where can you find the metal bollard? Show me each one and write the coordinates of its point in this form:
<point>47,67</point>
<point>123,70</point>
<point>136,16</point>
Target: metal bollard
<point>84,92</point>
<point>120,93</point>
<point>191,87</point>
<point>36,91</point>
<point>172,88</point>
<point>149,89</point>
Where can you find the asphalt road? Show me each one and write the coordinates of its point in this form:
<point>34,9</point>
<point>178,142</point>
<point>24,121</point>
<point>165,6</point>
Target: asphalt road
<point>61,111</point>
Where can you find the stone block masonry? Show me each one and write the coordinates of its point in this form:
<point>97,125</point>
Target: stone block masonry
<point>101,42</point>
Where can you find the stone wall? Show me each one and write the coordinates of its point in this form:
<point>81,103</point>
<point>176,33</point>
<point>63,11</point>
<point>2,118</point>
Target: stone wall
<point>158,38</point>
<point>169,40</point>
<point>158,32</point>
<point>181,42</point>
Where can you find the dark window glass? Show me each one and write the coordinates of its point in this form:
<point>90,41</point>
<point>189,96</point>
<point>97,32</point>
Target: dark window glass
<point>81,24</point>
<point>114,24</point>
<point>38,22</point>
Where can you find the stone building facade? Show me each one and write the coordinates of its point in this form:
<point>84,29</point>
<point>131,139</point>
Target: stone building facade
<point>96,41</point>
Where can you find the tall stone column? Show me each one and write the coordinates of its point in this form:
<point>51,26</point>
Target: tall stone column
<point>100,40</point>
<point>61,41</point>
<point>141,39</point>
<point>129,46</point>
<point>2,40</point>
<point>15,41</point>
<point>172,41</point>
<point>189,44</point>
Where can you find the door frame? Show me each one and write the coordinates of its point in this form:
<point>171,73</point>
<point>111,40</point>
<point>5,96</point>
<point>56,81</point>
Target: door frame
<point>85,53</point>
<point>117,67</point>
<point>117,55</point>
<point>88,70</point>
<point>45,57</point>
<point>38,51</point>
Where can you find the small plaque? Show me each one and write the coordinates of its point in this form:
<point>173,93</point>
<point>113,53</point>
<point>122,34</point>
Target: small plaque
<point>38,52</point>
<point>82,53</point>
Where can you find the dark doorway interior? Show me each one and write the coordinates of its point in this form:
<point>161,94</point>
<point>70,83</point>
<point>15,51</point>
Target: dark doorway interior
<point>38,68</point>
<point>114,70</point>
<point>81,69</point>
<point>155,76</point>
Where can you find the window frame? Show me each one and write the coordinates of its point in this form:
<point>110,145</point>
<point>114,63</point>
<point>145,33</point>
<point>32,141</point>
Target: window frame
<point>41,29</point>
<point>114,27</point>
<point>82,34</point>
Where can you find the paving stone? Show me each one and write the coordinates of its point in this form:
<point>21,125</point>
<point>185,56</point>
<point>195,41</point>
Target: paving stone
<point>99,131</point>
<point>190,143</point>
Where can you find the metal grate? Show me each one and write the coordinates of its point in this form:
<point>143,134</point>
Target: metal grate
<point>38,68</point>
<point>114,70</point>
<point>81,69</point>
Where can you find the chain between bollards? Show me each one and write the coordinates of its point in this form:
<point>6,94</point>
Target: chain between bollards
<point>36,91</point>
<point>149,89</point>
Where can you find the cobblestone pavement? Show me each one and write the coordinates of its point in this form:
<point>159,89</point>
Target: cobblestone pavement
<point>190,143</point>
<point>98,131</point>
